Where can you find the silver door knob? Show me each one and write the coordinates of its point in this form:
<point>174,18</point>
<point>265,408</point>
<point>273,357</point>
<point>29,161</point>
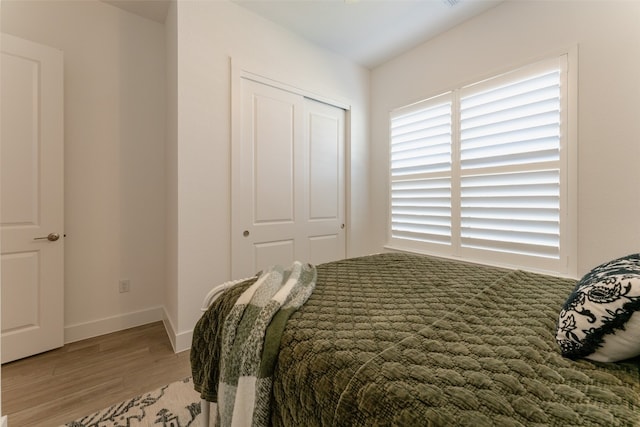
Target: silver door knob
<point>52,237</point>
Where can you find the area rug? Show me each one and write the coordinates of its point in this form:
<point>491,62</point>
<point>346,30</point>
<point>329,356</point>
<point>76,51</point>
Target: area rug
<point>174,405</point>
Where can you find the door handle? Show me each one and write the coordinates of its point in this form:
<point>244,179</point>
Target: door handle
<point>52,237</point>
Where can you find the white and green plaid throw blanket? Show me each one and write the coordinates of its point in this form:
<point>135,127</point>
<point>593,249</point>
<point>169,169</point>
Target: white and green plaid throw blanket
<point>251,340</point>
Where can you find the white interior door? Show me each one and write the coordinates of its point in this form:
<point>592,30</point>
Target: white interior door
<point>31,198</point>
<point>288,180</point>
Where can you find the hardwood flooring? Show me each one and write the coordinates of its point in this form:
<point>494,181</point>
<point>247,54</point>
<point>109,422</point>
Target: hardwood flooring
<point>80,378</point>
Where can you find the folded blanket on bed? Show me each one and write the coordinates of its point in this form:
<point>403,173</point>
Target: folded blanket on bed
<point>217,292</point>
<point>251,340</point>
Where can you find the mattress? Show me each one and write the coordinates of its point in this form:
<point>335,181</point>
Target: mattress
<point>400,339</point>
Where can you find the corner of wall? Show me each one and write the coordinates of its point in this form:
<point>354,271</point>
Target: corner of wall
<point>180,341</point>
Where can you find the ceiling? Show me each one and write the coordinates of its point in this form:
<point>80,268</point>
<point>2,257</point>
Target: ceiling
<point>369,32</point>
<point>156,10</point>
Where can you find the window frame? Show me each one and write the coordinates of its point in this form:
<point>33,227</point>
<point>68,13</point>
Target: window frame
<point>566,263</point>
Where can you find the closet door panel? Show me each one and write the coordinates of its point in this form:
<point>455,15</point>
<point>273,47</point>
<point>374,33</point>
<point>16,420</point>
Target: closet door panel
<point>273,138</point>
<point>324,167</point>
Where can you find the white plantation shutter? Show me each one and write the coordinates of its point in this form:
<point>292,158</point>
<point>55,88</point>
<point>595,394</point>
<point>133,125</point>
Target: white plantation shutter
<point>481,171</point>
<point>421,172</point>
<point>422,210</point>
<point>510,144</point>
<point>512,212</point>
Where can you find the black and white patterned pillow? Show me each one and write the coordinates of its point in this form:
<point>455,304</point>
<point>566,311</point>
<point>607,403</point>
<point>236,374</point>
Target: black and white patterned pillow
<point>597,321</point>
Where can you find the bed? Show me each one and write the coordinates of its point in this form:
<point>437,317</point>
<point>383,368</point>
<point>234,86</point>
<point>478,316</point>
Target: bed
<point>406,340</point>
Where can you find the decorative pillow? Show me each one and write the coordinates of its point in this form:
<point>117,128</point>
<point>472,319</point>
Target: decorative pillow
<point>597,322</point>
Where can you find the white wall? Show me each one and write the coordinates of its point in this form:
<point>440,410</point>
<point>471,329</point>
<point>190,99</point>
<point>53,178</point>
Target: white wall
<point>209,34</point>
<point>114,157</point>
<point>608,37</point>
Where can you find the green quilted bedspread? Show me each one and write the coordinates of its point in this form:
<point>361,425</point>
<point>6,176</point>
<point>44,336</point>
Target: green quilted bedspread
<point>406,340</point>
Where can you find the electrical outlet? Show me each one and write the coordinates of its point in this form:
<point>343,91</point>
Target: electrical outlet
<point>124,285</point>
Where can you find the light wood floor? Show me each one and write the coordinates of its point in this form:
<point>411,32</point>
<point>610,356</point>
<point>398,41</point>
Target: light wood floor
<point>80,378</point>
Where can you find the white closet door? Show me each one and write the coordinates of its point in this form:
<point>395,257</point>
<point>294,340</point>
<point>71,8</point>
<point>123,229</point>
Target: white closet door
<point>288,180</point>
<point>324,144</point>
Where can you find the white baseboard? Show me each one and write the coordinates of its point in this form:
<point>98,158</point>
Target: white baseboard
<point>81,331</point>
<point>4,422</point>
<point>180,341</point>
<point>183,341</point>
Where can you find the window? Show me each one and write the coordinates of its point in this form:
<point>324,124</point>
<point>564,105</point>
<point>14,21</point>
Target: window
<point>481,172</point>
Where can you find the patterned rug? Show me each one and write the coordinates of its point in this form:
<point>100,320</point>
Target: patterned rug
<point>174,405</point>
